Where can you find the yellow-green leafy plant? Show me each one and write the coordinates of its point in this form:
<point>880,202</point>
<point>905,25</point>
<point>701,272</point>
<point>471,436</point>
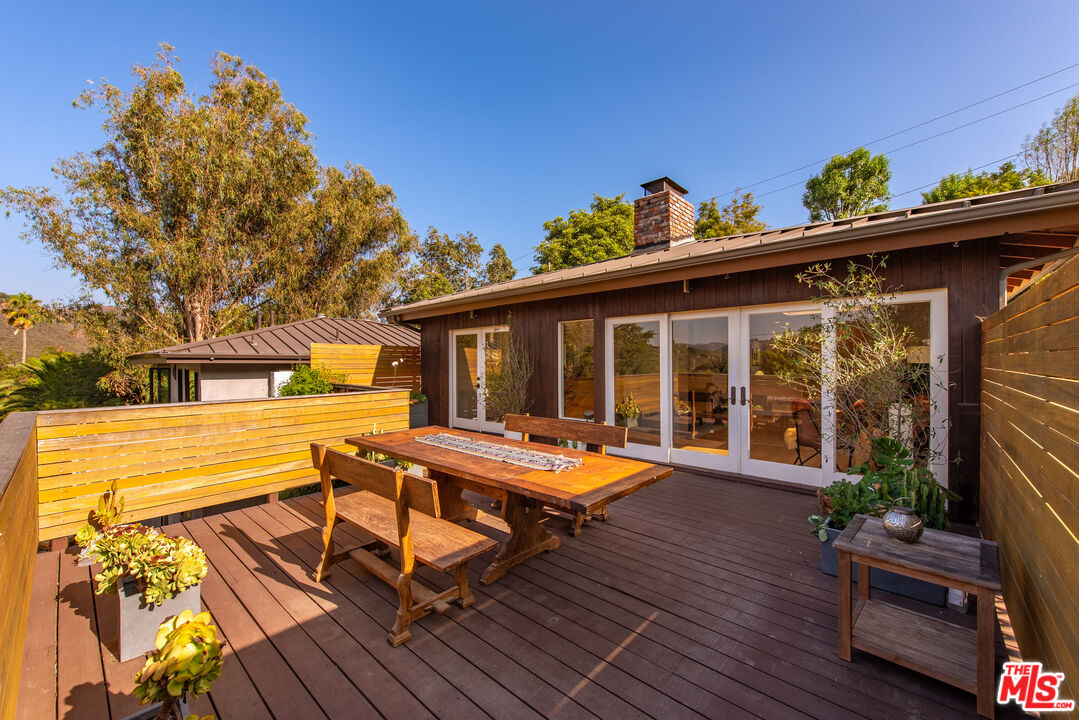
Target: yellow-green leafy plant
<point>161,566</point>
<point>186,661</point>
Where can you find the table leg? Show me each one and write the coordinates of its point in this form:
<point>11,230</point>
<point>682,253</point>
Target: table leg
<point>864,580</point>
<point>987,621</point>
<point>527,536</point>
<point>451,505</point>
<point>844,605</point>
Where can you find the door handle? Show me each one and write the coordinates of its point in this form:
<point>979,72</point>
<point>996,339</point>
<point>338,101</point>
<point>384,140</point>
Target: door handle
<point>733,397</point>
<point>743,395</point>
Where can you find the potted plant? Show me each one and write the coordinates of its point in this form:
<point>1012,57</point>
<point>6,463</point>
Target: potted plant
<point>417,409</point>
<point>154,575</point>
<point>627,412</point>
<point>186,660</point>
<point>890,474</point>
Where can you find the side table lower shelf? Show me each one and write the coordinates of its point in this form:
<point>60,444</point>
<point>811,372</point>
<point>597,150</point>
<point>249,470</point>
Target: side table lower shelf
<point>925,644</point>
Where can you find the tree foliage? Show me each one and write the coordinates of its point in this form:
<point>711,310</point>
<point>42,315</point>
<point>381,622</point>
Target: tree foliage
<point>605,231</point>
<point>197,210</point>
<point>969,184</point>
<point>307,380</point>
<point>505,387</point>
<point>739,215</point>
<point>849,185</point>
<point>23,311</point>
<point>499,266</point>
<point>447,265</point>
<point>57,382</point>
<point>1054,149</point>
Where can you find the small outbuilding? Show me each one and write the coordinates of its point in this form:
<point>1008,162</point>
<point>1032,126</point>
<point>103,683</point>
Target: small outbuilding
<point>253,364</point>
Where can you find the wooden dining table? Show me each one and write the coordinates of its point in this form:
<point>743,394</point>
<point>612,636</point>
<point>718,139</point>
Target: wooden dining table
<point>524,491</point>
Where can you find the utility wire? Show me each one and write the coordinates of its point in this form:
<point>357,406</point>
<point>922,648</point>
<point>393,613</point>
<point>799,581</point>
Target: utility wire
<point>969,170</point>
<point>915,127</point>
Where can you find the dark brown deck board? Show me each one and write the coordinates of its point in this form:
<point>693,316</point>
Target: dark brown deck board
<point>700,598</point>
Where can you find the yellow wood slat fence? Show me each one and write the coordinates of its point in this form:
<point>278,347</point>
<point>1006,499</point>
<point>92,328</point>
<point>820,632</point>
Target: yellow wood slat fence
<point>370,364</point>
<point>171,458</point>
<point>1029,464</point>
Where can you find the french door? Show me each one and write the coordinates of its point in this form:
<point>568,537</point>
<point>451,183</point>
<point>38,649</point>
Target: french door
<point>474,353</point>
<point>704,390</point>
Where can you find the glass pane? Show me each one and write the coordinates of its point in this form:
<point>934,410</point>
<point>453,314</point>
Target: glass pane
<point>465,382</point>
<point>784,422</point>
<point>637,382</point>
<point>891,398</point>
<point>700,357</point>
<point>578,370</point>
<point>494,344</point>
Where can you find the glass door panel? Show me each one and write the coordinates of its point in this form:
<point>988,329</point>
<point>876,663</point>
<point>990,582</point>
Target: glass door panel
<point>782,415</point>
<point>637,390</point>
<point>700,414</point>
<point>494,344</point>
<point>466,380</point>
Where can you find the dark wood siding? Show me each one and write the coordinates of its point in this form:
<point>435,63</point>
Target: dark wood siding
<point>969,270</point>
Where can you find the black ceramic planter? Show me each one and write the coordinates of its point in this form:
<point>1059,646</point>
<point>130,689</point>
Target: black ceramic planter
<point>882,579</point>
<point>417,415</point>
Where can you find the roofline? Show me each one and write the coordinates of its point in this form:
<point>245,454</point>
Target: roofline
<point>965,213</point>
<point>179,359</point>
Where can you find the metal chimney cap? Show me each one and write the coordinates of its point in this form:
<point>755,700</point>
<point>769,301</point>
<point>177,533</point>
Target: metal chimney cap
<point>663,183</point>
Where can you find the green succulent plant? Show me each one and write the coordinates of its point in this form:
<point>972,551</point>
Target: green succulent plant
<point>187,660</point>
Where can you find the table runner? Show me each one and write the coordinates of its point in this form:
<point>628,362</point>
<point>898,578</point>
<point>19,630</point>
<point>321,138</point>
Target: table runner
<point>495,451</point>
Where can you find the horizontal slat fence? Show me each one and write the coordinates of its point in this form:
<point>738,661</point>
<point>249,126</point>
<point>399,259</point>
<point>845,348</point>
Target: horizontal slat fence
<point>370,364</point>
<point>181,456</point>
<point>18,543</point>
<point>1029,464</point>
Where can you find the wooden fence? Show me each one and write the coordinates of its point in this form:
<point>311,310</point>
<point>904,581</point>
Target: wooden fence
<point>170,458</point>
<point>1029,465</point>
<point>370,364</point>
<point>18,541</point>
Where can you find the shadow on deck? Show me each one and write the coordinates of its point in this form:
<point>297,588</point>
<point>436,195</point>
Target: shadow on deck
<point>700,598</point>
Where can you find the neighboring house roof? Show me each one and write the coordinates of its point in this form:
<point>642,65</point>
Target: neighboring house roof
<point>1057,222</point>
<point>289,342</point>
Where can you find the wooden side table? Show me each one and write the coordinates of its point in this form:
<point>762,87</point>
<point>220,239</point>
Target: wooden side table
<point>956,655</point>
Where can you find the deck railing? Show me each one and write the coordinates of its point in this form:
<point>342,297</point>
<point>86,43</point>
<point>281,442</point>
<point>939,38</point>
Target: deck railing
<point>165,459</point>
<point>1029,460</point>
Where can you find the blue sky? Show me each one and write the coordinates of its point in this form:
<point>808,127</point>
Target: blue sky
<point>495,117</point>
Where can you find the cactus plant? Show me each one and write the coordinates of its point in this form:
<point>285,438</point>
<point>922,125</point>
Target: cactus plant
<point>187,661</point>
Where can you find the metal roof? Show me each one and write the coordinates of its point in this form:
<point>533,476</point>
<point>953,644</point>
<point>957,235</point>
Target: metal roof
<point>288,342</point>
<point>948,214</point>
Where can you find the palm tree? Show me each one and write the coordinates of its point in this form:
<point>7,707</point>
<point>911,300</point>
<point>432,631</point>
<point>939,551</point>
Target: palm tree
<point>23,311</point>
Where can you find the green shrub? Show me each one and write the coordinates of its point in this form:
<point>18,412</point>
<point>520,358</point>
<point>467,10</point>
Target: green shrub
<point>307,380</point>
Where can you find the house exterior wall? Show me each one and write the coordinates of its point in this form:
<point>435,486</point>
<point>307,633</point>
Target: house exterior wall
<point>235,382</point>
<point>969,271</point>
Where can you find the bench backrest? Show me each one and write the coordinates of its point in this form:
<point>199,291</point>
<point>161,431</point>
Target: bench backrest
<point>586,432</point>
<point>393,484</point>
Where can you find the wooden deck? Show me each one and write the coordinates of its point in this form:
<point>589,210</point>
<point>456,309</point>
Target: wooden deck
<point>700,598</point>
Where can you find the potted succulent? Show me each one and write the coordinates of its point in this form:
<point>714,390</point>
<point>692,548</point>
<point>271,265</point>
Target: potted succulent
<point>154,575</point>
<point>186,660</point>
<point>890,475</point>
<point>627,412</point>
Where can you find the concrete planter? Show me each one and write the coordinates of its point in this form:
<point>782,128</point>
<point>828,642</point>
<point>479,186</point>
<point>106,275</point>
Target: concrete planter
<point>149,713</point>
<point>140,622</point>
<point>417,415</point>
<point>882,579</point>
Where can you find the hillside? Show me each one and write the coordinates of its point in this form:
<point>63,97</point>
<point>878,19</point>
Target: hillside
<point>57,335</point>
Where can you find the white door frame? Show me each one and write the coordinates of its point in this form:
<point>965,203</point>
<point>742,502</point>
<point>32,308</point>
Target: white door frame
<point>480,423</point>
<point>635,450</point>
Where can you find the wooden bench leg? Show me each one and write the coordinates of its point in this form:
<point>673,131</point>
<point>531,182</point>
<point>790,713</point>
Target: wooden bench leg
<point>460,574</point>
<point>400,633</point>
<point>576,523</point>
<point>323,570</point>
<point>604,514</point>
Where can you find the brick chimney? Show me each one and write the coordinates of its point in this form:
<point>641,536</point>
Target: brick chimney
<point>662,217</point>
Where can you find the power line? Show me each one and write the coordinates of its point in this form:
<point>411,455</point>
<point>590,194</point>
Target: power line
<point>970,170</point>
<point>915,127</point>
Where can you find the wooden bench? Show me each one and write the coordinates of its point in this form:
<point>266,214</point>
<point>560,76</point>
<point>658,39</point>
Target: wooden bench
<point>400,511</point>
<point>596,436</point>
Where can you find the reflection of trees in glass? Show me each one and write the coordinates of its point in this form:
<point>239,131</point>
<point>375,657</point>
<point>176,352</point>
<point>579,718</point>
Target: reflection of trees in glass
<point>508,370</point>
<point>578,351</point>
<point>636,349</point>
<point>711,358</point>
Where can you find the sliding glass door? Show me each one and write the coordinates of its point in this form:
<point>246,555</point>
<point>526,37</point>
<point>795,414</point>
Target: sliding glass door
<point>712,390</point>
<point>474,354</point>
